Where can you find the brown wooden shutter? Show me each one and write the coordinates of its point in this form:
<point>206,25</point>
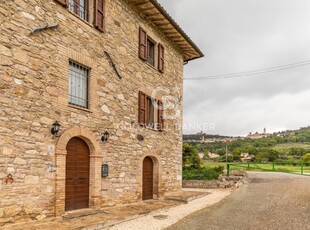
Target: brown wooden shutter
<point>161,61</point>
<point>99,15</point>
<point>62,2</point>
<point>142,44</point>
<point>160,116</point>
<point>142,108</point>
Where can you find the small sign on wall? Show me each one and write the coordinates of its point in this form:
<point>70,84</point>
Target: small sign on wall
<point>51,149</point>
<point>104,170</point>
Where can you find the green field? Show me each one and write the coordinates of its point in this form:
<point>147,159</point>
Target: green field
<point>262,167</point>
<point>291,145</point>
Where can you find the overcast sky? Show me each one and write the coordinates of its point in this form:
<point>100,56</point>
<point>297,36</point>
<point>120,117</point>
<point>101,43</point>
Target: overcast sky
<point>245,35</point>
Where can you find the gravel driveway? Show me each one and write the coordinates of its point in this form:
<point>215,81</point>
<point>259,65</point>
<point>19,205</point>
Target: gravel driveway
<point>266,201</point>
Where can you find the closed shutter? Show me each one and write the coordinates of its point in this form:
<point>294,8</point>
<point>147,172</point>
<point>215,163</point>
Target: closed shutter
<point>142,108</point>
<point>161,61</point>
<point>99,15</point>
<point>160,116</point>
<point>143,44</point>
<point>62,2</point>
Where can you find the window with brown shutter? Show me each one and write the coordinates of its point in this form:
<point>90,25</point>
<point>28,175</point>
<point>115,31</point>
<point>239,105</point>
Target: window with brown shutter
<point>142,44</point>
<point>142,108</point>
<point>150,112</point>
<point>161,61</point>
<point>160,116</point>
<point>99,15</point>
<point>147,47</point>
<point>62,2</point>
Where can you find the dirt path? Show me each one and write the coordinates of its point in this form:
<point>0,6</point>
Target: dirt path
<point>267,201</point>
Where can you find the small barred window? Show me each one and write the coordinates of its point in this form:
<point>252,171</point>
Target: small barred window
<point>78,85</point>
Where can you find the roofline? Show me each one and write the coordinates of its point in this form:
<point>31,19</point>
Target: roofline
<point>177,27</point>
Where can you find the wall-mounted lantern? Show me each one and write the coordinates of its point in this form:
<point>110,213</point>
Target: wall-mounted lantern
<point>105,136</point>
<point>55,128</point>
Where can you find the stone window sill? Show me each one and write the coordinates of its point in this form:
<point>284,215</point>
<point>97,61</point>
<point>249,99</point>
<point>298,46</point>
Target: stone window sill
<point>79,108</point>
<point>152,129</point>
<point>77,18</point>
<point>152,66</point>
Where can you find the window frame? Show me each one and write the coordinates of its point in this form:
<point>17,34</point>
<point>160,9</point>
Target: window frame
<point>87,86</point>
<point>150,46</point>
<point>76,5</point>
<point>150,115</point>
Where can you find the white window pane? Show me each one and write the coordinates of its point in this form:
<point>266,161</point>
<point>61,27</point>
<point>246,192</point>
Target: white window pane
<point>71,5</point>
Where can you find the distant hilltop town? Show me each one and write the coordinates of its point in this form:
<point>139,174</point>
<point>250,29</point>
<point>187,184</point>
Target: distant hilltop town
<point>202,137</point>
<point>258,135</point>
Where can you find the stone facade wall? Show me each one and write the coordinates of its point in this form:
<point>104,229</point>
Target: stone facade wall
<point>34,94</point>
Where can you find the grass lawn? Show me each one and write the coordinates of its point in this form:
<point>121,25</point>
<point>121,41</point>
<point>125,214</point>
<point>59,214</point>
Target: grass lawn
<point>262,167</point>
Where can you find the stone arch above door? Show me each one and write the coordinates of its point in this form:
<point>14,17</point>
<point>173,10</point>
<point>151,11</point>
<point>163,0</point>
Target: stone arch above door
<point>95,166</point>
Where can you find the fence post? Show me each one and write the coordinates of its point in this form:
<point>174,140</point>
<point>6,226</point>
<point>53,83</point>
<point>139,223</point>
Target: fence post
<point>302,168</point>
<point>227,168</point>
<point>272,166</point>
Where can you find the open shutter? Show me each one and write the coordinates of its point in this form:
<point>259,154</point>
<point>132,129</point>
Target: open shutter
<point>62,2</point>
<point>99,15</point>
<point>142,44</point>
<point>142,108</point>
<point>161,61</point>
<point>160,116</point>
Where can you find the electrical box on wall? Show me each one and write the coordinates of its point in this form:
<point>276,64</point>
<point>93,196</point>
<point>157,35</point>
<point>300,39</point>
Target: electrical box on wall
<point>104,170</point>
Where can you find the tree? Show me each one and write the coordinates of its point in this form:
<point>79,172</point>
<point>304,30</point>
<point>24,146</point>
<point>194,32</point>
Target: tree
<point>297,152</point>
<point>190,156</point>
<point>267,155</point>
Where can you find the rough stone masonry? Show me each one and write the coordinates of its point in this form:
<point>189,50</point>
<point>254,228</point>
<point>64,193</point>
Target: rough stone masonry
<point>34,94</point>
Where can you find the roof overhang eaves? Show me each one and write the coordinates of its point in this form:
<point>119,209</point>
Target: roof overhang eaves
<point>161,19</point>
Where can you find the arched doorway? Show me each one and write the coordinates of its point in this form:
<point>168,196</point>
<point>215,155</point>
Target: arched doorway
<point>148,179</point>
<point>77,174</point>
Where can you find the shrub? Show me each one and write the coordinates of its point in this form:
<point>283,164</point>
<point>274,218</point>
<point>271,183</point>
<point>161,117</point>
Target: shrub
<point>203,173</point>
<point>306,159</point>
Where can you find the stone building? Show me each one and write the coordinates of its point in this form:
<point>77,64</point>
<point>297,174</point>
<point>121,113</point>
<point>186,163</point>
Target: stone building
<point>95,67</point>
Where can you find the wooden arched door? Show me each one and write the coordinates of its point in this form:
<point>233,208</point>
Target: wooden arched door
<point>77,175</point>
<point>148,178</point>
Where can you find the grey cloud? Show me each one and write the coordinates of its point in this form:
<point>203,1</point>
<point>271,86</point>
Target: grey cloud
<point>241,35</point>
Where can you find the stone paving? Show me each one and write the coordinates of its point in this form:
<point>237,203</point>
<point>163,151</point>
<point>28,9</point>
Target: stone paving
<point>96,219</point>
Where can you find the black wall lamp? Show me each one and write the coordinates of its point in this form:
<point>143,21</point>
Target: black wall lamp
<point>105,136</point>
<point>55,128</point>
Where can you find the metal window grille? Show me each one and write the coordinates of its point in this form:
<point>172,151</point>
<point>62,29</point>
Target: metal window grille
<point>78,85</point>
<point>79,7</point>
